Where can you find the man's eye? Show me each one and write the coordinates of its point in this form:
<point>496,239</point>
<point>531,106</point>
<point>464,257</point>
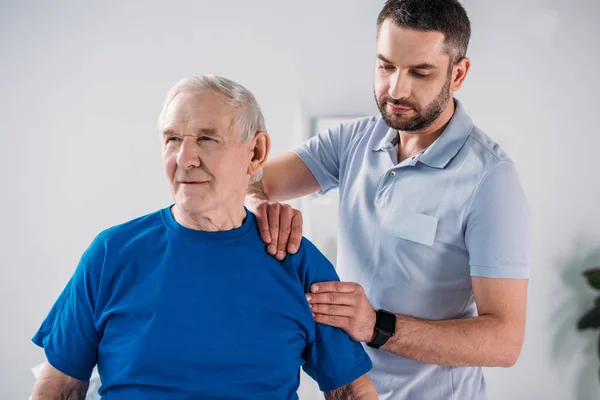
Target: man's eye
<point>205,139</point>
<point>420,75</point>
<point>172,139</point>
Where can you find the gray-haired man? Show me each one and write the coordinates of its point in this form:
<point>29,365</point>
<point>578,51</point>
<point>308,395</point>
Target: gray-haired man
<point>185,302</point>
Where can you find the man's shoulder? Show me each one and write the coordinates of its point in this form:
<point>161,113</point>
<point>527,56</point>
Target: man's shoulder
<point>360,125</point>
<point>485,149</point>
<point>118,240</point>
<point>134,229</point>
<point>311,264</point>
<point>307,251</point>
<point>363,128</point>
<point>486,158</point>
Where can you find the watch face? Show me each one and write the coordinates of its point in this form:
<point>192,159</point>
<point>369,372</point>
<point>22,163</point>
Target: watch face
<point>387,321</point>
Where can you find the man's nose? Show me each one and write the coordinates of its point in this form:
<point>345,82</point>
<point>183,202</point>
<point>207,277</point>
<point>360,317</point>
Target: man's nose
<point>399,86</point>
<point>189,156</point>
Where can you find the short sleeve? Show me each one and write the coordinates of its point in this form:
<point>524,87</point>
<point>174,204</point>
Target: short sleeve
<point>68,335</point>
<point>497,232</point>
<point>332,359</point>
<point>323,154</point>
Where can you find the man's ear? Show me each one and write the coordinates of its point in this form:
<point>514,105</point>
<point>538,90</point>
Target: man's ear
<point>459,73</point>
<point>261,145</point>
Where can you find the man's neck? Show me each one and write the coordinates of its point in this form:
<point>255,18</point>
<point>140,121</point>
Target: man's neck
<point>413,143</point>
<point>220,219</point>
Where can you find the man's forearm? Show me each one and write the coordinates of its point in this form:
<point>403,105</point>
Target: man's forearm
<point>55,385</point>
<point>360,389</point>
<point>479,341</point>
<point>49,390</point>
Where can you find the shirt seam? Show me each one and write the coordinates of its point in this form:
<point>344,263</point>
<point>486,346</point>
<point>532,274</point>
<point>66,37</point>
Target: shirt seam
<point>496,157</point>
<point>330,184</point>
<point>485,175</point>
<point>515,265</point>
<point>365,361</point>
<point>64,363</point>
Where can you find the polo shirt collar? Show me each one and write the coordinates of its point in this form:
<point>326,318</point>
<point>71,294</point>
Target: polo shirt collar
<point>446,147</point>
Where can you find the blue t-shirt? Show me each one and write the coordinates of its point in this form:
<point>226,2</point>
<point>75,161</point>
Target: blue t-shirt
<point>168,312</point>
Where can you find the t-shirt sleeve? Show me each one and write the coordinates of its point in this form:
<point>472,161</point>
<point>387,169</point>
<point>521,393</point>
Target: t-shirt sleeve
<point>497,232</point>
<point>68,335</point>
<point>323,154</point>
<point>332,359</point>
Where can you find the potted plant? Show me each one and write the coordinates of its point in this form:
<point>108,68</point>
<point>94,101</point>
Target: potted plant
<point>591,319</point>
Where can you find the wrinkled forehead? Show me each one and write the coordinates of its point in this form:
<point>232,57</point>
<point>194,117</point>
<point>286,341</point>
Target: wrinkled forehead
<point>197,110</point>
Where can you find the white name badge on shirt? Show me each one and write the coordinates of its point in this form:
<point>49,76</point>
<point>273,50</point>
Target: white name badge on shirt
<point>413,226</point>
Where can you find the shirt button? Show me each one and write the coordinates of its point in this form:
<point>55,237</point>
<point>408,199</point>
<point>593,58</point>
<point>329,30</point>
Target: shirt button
<point>393,174</point>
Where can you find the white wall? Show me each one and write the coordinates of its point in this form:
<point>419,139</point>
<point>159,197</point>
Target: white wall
<point>81,85</point>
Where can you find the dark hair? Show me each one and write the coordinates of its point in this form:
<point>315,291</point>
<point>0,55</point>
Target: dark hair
<point>445,16</point>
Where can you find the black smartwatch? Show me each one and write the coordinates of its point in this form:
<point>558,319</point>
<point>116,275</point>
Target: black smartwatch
<point>385,327</point>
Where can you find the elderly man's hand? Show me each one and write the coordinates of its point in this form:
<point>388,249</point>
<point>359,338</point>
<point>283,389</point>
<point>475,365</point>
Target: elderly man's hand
<point>344,305</point>
<point>280,227</point>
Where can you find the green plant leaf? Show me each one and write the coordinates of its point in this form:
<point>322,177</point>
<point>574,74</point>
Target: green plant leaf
<point>591,319</point>
<point>593,277</point>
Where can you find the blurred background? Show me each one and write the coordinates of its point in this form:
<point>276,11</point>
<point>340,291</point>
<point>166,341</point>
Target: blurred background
<point>81,85</point>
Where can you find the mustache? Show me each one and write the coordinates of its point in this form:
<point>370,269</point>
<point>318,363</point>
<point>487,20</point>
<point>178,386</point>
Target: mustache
<point>400,102</point>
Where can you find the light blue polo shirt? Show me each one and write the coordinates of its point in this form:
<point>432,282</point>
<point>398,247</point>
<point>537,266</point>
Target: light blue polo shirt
<point>414,233</point>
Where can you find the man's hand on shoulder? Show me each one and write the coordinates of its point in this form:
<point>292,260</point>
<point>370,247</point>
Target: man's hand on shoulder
<point>279,224</point>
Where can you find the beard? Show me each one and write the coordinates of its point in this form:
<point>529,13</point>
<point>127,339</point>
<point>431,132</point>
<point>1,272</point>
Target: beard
<point>422,118</point>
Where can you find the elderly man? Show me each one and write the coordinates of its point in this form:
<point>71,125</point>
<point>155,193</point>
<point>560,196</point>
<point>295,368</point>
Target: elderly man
<point>185,303</point>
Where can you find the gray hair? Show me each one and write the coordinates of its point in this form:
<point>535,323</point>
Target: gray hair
<point>248,118</point>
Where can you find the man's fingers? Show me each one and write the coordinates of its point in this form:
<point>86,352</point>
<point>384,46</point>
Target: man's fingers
<point>296,234</point>
<point>285,227</point>
<point>273,211</point>
<point>330,298</point>
<point>335,286</point>
<point>280,227</point>
<point>334,310</point>
<point>331,320</point>
<point>263,223</point>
